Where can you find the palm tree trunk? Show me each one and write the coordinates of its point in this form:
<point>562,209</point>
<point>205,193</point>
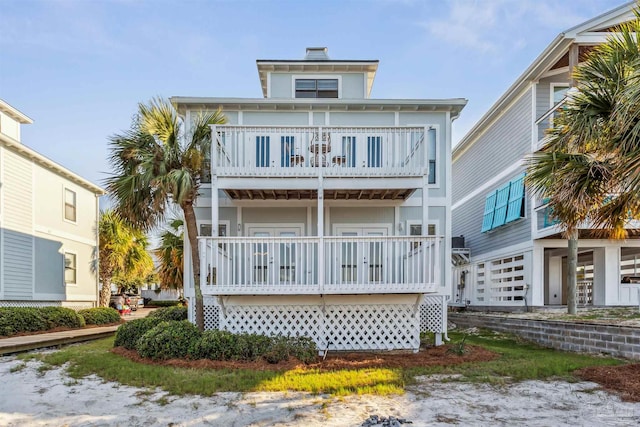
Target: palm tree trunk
<point>192,232</point>
<point>572,267</point>
<point>105,293</point>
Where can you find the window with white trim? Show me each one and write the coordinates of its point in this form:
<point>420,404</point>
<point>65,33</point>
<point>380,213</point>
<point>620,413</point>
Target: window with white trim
<point>316,88</point>
<point>431,155</point>
<point>415,229</point>
<point>70,268</point>
<point>558,92</point>
<point>630,265</point>
<point>504,205</point>
<point>206,230</point>
<point>70,205</point>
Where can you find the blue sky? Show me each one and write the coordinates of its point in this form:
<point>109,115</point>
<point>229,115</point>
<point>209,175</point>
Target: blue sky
<point>79,68</point>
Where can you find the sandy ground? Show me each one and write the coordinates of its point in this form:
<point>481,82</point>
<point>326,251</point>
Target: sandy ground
<point>50,398</point>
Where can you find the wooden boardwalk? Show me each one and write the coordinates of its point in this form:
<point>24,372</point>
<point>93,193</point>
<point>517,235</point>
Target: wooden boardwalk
<point>52,339</point>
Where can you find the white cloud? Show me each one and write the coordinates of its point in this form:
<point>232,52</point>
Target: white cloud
<point>489,26</point>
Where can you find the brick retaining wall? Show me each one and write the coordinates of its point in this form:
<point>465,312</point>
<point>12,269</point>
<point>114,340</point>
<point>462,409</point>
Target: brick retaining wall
<point>619,341</point>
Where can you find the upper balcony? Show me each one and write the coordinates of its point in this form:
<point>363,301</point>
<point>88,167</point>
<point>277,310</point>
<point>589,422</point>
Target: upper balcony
<point>329,151</point>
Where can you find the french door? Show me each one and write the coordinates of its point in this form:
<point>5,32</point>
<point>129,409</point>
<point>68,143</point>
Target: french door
<point>361,260</point>
<point>273,260</point>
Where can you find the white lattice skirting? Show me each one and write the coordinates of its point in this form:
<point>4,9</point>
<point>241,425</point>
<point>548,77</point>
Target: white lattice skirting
<point>75,305</point>
<point>337,327</point>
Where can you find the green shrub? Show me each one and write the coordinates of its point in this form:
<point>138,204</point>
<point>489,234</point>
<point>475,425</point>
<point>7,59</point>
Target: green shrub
<point>14,320</point>
<point>168,340</point>
<point>100,315</point>
<point>154,303</point>
<point>61,317</point>
<point>169,313</point>
<point>278,350</point>
<point>303,348</point>
<point>214,345</point>
<point>251,346</point>
<point>129,333</point>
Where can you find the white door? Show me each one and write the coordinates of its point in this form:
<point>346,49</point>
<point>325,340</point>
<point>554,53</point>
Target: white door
<point>362,260</point>
<point>274,261</point>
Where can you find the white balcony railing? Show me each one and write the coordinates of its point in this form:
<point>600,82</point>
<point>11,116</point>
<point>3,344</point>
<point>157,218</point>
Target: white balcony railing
<point>282,151</point>
<point>292,266</point>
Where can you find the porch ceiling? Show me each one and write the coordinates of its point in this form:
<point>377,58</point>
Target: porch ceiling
<point>340,194</point>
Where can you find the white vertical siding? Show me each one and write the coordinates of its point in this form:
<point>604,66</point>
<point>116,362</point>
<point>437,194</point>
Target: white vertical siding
<point>17,251</point>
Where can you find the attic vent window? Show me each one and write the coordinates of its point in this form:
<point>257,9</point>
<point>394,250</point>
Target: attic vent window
<point>316,88</point>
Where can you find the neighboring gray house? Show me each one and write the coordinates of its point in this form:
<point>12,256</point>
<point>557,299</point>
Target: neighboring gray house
<point>513,254</point>
<point>333,208</point>
<point>48,218</point>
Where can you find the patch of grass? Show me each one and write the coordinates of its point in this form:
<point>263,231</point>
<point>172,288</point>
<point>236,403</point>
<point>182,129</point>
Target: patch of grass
<point>18,368</point>
<point>621,313</point>
<point>343,382</point>
<point>518,361</point>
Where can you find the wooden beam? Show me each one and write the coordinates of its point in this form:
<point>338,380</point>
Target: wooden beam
<point>574,57</point>
<point>360,194</point>
<point>261,193</point>
<point>385,194</point>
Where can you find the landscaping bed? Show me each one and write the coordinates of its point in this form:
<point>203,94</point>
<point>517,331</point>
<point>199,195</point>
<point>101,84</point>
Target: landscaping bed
<point>622,380</point>
<point>431,356</point>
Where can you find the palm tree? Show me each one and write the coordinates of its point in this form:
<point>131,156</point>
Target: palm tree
<point>589,166</point>
<point>158,163</point>
<point>123,253</point>
<point>170,255</point>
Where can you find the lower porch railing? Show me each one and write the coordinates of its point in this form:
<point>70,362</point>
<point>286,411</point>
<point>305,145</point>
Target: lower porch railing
<point>314,265</point>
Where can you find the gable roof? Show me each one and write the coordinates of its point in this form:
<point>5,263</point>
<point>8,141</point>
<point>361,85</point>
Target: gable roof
<point>14,113</point>
<point>588,32</point>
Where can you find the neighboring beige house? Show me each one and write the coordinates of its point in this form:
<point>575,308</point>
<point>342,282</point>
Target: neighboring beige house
<point>48,218</point>
<point>329,209</point>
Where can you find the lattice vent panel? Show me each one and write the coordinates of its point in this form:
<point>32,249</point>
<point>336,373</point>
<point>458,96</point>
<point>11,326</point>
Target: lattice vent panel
<point>372,327</point>
<point>432,315</point>
<point>211,317</point>
<point>31,304</point>
<point>77,305</point>
<point>276,320</point>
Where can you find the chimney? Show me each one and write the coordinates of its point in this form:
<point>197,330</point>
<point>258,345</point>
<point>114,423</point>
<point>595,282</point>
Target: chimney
<point>316,54</point>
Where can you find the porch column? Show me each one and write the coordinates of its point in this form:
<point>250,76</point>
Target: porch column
<point>606,276</point>
<point>534,262</point>
<point>320,231</point>
<point>214,182</point>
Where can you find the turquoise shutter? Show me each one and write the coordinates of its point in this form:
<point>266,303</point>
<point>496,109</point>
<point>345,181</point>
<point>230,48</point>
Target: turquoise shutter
<point>502,201</point>
<point>489,205</point>
<point>516,198</point>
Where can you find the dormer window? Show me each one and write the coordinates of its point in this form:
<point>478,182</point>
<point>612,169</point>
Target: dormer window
<point>316,88</point>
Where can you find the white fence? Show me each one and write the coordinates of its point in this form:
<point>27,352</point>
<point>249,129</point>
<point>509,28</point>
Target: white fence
<point>314,265</point>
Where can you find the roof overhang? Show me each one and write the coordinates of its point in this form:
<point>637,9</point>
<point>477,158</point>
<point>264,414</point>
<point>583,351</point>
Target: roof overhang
<point>454,105</point>
<point>266,66</point>
<point>49,164</point>
<point>14,113</point>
